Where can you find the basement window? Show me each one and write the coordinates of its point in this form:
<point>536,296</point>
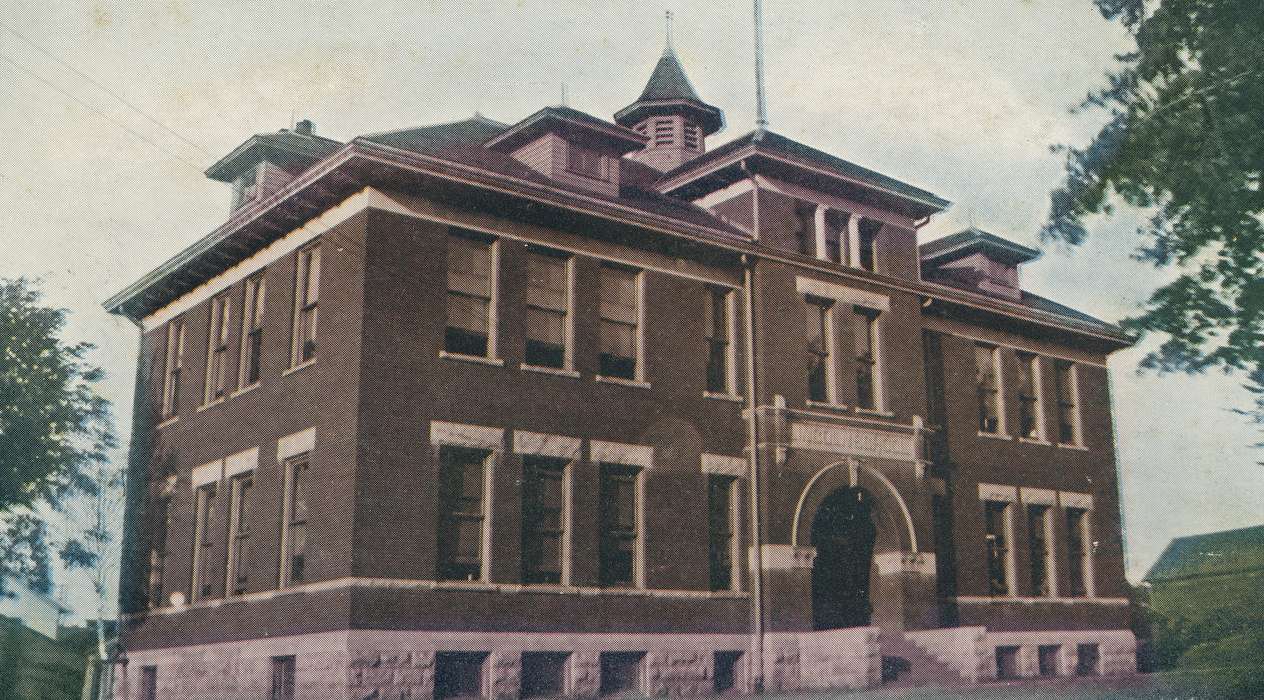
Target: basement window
<point>1087,660</point>
<point>1047,657</point>
<point>724,679</point>
<point>621,673</point>
<point>460,674</point>
<point>544,674</point>
<point>1006,663</point>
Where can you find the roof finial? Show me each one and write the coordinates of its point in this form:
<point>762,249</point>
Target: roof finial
<point>761,105</point>
<point>668,48</point>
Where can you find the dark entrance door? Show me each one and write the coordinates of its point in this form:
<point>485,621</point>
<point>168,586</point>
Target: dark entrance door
<point>843,534</point>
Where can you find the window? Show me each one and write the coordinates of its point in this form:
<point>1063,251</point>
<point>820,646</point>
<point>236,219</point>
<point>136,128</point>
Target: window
<point>620,525</point>
<point>1064,376</point>
<point>724,679</point>
<point>1029,411</point>
<point>174,365</point>
<point>1048,657</point>
<point>462,483</point>
<point>544,495</point>
<point>149,683</point>
<point>245,187</point>
<point>723,530</point>
<point>251,330</point>
<point>203,524</point>
<point>544,674</point>
<point>1038,550</point>
<point>832,235</point>
<point>866,257</point>
<point>620,323</point>
<point>996,521</point>
<point>1087,660</point>
<point>1077,552</point>
<point>460,674</point>
<point>282,678</point>
<point>1006,663</point>
<point>621,673</point>
<point>548,310</point>
<point>820,341</point>
<point>865,333</point>
<point>306,295</point>
<point>239,534</point>
<point>719,329</point>
<point>585,162</point>
<point>471,289</point>
<point>987,361</point>
<point>294,530</point>
<point>217,350</point>
<point>158,550</point>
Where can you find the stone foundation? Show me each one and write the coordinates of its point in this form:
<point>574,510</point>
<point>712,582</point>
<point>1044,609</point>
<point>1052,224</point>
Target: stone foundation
<point>971,651</point>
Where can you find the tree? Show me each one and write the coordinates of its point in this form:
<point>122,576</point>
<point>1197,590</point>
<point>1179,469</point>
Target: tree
<point>55,433</point>
<point>1184,140</point>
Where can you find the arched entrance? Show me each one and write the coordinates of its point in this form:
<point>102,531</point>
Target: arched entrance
<point>843,534</point>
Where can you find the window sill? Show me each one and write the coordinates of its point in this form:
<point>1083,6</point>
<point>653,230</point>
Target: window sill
<point>555,371</point>
<point>826,405</point>
<point>166,421</point>
<point>297,367</point>
<point>995,436</point>
<point>622,382</point>
<point>722,397</point>
<point>875,412</point>
<point>244,390</point>
<point>212,404</point>
<point>1035,441</point>
<point>490,361</point>
<point>1072,447</point>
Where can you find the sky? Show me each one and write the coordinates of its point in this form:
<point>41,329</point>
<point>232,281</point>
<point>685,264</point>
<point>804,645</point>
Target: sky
<point>961,97</point>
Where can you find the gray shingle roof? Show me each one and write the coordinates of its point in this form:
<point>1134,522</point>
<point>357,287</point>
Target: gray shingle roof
<point>670,92</point>
<point>284,147</point>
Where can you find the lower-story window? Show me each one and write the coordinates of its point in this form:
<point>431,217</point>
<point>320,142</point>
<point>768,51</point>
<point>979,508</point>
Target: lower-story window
<point>1038,549</point>
<point>620,525</point>
<point>544,674</point>
<point>1087,660</point>
<point>544,487</point>
<point>462,517</point>
<point>203,527</point>
<point>996,520</point>
<point>1048,658</point>
<point>621,673</point>
<point>1077,552</point>
<point>294,531</point>
<point>723,521</point>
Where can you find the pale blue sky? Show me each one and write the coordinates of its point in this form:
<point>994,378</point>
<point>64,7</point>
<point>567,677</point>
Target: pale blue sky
<point>961,97</point>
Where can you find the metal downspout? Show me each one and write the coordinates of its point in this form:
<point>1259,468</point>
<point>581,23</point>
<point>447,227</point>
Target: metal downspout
<point>752,436</point>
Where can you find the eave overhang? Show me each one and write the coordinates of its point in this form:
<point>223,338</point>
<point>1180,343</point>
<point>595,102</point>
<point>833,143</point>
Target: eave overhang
<point>971,241</point>
<point>266,147</point>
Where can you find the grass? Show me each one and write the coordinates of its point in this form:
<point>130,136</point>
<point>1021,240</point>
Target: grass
<point>1224,684</point>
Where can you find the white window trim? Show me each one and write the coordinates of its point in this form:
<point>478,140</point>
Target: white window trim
<point>1038,389</point>
<point>241,462</point>
<point>493,312</point>
<point>808,286</point>
<point>1002,429</point>
<point>639,565</point>
<point>640,326</point>
<point>296,444</point>
<point>853,242</point>
<point>568,518</point>
<point>830,342</point>
<point>221,310</point>
<point>1051,545</point>
<point>1011,575</point>
<point>998,493</point>
<point>1084,502</point>
<point>489,471</point>
<point>601,452</point>
<point>568,329</point>
<point>199,534</point>
<point>464,435</point>
<point>209,473</point>
<point>261,290</point>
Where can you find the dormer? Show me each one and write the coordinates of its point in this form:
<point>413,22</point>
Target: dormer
<point>570,146</point>
<point>266,162</point>
<point>976,260</point>
<point>671,116</point>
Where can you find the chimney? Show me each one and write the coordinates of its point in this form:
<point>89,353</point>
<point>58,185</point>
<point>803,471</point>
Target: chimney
<point>304,127</point>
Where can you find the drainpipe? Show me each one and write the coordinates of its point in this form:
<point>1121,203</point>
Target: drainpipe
<point>752,437</point>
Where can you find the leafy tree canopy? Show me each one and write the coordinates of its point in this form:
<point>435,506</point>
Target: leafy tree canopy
<point>1184,140</point>
<point>55,431</point>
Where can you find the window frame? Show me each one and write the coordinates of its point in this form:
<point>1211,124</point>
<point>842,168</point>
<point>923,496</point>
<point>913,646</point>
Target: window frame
<point>1029,367</point>
<point>294,465</point>
<point>826,356</point>
<point>239,533</point>
<point>492,299</point>
<point>173,366</point>
<point>567,313</point>
<point>587,162</point>
<point>204,501</point>
<point>149,682</point>
<point>996,391</point>
<point>250,354</point>
<point>638,328</point>
<point>1002,551</point>
<point>726,298</point>
<point>448,550</point>
<point>872,326</point>
<point>533,465</point>
<point>635,475</point>
<point>303,349</point>
<point>215,386</point>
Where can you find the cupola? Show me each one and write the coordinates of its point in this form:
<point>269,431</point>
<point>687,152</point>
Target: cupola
<point>976,260</point>
<point>266,162</point>
<point>671,116</point>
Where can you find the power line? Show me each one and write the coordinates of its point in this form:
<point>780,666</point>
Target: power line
<point>99,113</point>
<point>107,90</point>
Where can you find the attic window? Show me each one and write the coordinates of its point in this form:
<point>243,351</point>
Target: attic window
<point>586,162</point>
<point>691,137</point>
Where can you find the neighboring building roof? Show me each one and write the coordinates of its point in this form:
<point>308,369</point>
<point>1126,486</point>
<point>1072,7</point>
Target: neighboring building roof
<point>669,91</point>
<point>1214,553</point>
<point>762,141</point>
<point>974,240</point>
<point>567,121</point>
<point>284,147</point>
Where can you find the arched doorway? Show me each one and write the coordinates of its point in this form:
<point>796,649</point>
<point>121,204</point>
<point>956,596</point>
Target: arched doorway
<point>843,534</point>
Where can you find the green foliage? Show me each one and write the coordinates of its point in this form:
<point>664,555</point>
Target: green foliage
<point>55,431</point>
<point>1185,140</point>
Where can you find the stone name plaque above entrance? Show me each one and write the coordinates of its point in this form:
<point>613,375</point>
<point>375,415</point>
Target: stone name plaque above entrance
<point>848,440</point>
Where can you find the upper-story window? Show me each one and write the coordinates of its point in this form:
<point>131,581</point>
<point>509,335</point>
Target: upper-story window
<point>306,299</point>
<point>1030,412</point>
<point>868,378</point>
<point>997,527</point>
<point>238,576</point>
<point>586,162</point>
<point>549,320</point>
<point>620,323</point>
<point>462,512</point>
<point>620,525</point>
<point>217,349</point>
<point>820,342</point>
<point>471,291</point>
<point>1064,377</point>
<point>251,330</point>
<point>174,366</point>
<point>866,255</point>
<point>720,350</point>
<point>294,521</point>
<point>203,527</point>
<point>987,360</point>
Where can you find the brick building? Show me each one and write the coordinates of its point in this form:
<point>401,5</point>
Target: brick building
<point>466,410</point>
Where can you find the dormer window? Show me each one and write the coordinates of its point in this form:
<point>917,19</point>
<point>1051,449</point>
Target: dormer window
<point>246,186</point>
<point>586,162</point>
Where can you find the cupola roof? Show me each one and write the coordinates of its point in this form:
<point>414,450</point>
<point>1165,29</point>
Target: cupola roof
<point>670,92</point>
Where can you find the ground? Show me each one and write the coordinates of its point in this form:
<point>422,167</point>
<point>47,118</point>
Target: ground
<point>1224,685</point>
